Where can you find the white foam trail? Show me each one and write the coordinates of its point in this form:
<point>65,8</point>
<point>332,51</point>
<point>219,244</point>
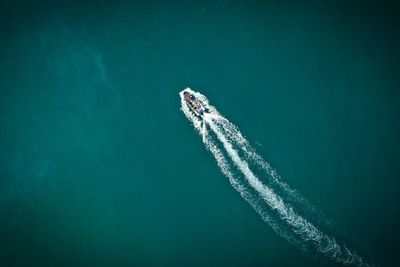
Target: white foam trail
<point>310,233</point>
<point>244,192</point>
<point>301,232</point>
<point>234,135</point>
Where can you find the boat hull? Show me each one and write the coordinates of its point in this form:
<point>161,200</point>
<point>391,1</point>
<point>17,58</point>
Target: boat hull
<point>194,104</point>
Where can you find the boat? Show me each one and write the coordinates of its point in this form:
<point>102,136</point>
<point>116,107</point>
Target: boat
<point>194,104</point>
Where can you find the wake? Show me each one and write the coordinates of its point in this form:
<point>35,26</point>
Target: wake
<point>235,157</point>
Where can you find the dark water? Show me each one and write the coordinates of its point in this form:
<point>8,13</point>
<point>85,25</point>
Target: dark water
<point>100,168</point>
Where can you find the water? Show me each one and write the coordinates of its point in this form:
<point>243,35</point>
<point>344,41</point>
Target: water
<point>99,167</point>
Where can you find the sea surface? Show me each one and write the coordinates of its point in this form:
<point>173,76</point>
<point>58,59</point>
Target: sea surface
<point>99,166</point>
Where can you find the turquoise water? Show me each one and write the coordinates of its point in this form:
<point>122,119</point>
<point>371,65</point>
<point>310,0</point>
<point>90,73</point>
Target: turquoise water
<point>99,167</point>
